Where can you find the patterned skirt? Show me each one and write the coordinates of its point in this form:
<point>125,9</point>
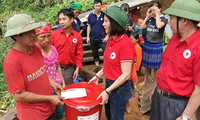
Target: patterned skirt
<point>151,54</point>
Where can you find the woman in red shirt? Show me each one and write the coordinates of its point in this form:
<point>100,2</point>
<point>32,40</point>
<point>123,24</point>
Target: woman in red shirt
<point>118,63</point>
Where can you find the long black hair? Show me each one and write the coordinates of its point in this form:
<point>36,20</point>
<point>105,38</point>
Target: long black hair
<point>155,3</point>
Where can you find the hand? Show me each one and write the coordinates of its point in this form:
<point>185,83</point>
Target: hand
<point>63,85</point>
<point>75,74</point>
<point>104,97</point>
<point>149,12</point>
<point>105,39</point>
<point>88,40</point>
<point>166,35</point>
<point>151,94</point>
<point>56,100</point>
<point>94,80</point>
<point>135,87</point>
<point>179,118</point>
<point>57,88</point>
<point>156,10</point>
<point>129,28</point>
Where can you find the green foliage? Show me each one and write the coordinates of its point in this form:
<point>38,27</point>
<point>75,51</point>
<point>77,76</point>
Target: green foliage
<point>42,11</point>
<point>7,101</point>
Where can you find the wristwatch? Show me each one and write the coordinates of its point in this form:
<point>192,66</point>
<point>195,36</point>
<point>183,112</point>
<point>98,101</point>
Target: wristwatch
<point>184,117</point>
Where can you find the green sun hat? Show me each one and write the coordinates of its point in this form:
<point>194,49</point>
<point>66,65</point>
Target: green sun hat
<point>189,9</point>
<point>20,23</point>
<point>75,6</point>
<point>117,14</point>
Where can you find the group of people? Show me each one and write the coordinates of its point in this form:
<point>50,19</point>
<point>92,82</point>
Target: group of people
<point>41,63</point>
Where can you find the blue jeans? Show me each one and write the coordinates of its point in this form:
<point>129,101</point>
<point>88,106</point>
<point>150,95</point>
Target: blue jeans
<point>115,108</point>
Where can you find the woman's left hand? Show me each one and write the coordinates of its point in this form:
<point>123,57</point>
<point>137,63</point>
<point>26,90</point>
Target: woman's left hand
<point>104,97</point>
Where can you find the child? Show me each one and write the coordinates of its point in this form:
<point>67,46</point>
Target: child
<point>50,56</point>
<point>138,58</point>
<point>139,31</point>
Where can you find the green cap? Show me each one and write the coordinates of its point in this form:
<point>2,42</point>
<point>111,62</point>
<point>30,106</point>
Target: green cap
<point>20,23</point>
<point>189,9</point>
<point>117,14</point>
<point>75,6</point>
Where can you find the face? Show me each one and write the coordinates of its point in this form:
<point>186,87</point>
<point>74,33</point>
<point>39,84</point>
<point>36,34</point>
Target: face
<point>152,11</point>
<point>26,39</point>
<point>139,22</point>
<point>76,13</point>
<point>133,39</point>
<point>106,25</point>
<point>43,39</point>
<point>65,21</point>
<point>97,7</point>
<point>173,24</point>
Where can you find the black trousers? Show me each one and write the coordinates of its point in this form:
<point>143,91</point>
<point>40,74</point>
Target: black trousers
<point>94,44</point>
<point>164,108</point>
<point>53,116</point>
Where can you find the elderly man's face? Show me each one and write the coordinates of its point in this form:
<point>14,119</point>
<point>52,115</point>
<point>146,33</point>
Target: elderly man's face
<point>26,39</point>
<point>173,24</point>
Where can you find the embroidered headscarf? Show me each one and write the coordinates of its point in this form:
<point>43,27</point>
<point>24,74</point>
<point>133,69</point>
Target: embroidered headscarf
<point>44,28</point>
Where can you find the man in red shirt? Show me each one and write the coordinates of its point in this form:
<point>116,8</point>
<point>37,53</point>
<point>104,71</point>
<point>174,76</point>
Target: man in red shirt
<point>69,45</point>
<point>25,72</point>
<point>178,80</point>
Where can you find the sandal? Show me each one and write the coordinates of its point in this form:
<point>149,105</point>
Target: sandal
<point>141,84</point>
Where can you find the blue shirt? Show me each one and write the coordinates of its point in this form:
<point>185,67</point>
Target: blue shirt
<point>96,23</point>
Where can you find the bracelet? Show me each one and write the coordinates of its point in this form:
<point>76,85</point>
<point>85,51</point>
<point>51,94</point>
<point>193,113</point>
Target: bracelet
<point>107,92</point>
<point>97,76</point>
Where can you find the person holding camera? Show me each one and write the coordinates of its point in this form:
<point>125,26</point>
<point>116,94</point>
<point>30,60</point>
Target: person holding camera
<point>154,23</point>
